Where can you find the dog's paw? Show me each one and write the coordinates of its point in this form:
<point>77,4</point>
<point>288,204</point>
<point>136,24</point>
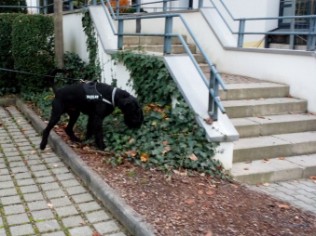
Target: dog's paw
<point>42,146</point>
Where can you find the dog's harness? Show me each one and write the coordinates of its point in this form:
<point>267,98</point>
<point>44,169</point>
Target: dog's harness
<point>92,94</point>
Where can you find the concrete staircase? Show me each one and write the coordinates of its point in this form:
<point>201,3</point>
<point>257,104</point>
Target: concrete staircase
<point>277,135</point>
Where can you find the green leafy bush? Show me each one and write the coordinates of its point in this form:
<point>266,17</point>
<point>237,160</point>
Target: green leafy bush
<point>8,83</point>
<point>170,137</point>
<point>33,50</point>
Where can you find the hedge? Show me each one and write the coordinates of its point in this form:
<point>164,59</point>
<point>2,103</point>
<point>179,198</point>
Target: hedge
<point>33,50</point>
<point>8,83</point>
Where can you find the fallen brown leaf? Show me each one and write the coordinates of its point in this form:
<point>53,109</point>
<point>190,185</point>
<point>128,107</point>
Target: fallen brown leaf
<point>193,157</point>
<point>189,201</point>
<point>284,206</point>
<point>208,120</point>
<point>313,177</point>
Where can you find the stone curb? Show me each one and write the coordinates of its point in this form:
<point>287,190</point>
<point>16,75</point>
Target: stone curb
<point>134,223</point>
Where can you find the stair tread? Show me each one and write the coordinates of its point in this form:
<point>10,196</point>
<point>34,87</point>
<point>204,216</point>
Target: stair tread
<point>273,140</point>
<point>262,101</point>
<point>261,120</point>
<point>275,169</point>
<point>254,85</point>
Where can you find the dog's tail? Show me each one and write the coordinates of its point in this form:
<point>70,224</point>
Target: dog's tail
<point>51,78</point>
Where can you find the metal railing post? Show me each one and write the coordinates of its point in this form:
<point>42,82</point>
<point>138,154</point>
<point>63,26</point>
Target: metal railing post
<point>213,94</point>
<point>120,32</point>
<point>292,36</point>
<point>138,6</point>
<point>311,38</point>
<point>200,3</point>
<point>45,6</point>
<point>167,37</point>
<point>241,33</point>
<point>164,8</point>
<point>117,6</point>
<point>71,5</point>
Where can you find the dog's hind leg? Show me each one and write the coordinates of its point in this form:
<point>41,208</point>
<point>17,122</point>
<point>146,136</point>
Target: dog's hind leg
<point>55,117</point>
<point>73,117</point>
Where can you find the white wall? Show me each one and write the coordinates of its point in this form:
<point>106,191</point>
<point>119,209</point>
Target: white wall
<point>297,69</point>
<point>74,36</point>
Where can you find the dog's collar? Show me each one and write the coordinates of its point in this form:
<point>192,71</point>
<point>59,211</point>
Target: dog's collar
<point>113,97</point>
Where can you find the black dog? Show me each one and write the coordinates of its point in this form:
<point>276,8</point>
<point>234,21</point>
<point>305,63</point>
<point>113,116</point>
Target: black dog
<point>97,100</point>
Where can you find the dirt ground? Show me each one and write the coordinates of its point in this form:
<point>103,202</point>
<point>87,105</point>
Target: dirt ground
<point>193,204</point>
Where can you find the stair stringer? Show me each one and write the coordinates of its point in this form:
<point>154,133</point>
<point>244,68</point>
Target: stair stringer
<point>195,93</point>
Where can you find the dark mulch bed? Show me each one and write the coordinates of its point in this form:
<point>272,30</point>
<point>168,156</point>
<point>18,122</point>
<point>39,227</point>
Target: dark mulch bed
<point>195,204</point>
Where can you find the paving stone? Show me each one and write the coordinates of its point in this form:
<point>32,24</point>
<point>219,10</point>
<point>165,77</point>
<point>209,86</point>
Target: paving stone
<point>65,176</point>
<point>14,209</point>
<point>89,206</point>
<point>47,179</point>
<point>59,202</point>
<point>4,178</point>
<point>81,231</point>
<point>38,205</point>
<point>42,215</point>
<point>38,167</point>
<point>7,184</point>
<point>49,225</point>
<point>25,182</point>
<point>117,234</point>
<point>33,196</point>
<point>97,216</point>
<point>55,193</point>
<point>73,221</point>
<point>10,200</point>
<point>4,172</point>
<point>41,173</point>
<point>23,176</point>
<point>29,189</point>
<point>22,230</point>
<point>70,183</point>
<point>8,192</point>
<point>59,233</point>
<point>49,186</point>
<point>61,170</point>
<point>18,219</point>
<point>86,197</point>
<point>76,190</point>
<point>66,211</point>
<point>106,227</point>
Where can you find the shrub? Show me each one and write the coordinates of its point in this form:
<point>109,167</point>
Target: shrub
<point>33,50</point>
<point>8,83</point>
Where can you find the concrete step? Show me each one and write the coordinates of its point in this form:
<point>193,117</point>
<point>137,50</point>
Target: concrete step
<point>273,146</point>
<point>176,49</point>
<point>148,40</point>
<point>263,107</point>
<point>276,124</point>
<point>287,46</point>
<point>276,169</point>
<point>240,91</point>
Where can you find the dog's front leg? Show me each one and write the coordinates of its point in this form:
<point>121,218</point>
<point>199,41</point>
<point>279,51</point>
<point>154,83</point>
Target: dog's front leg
<point>55,117</point>
<point>98,130</point>
<point>73,117</point>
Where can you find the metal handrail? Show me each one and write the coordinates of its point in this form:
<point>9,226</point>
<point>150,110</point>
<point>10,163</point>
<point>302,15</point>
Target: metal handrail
<point>311,32</point>
<point>215,80</point>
